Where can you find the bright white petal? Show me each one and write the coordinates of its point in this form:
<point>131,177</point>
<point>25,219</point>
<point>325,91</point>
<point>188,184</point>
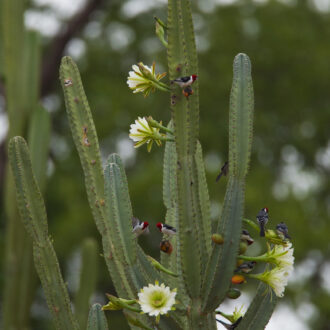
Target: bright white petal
<point>151,306</point>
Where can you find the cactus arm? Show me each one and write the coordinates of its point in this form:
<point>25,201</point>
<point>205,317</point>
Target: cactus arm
<point>87,282</point>
<point>223,258</point>
<point>16,47</point>
<point>170,202</point>
<point>259,311</point>
<point>38,140</point>
<point>12,30</point>
<point>96,318</point>
<point>33,214</point>
<point>203,197</point>
<point>84,136</point>
<point>182,60</point>
<point>120,213</point>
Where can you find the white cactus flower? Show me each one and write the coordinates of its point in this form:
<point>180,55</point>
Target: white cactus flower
<point>277,279</point>
<point>141,132</point>
<point>144,79</point>
<point>156,300</point>
<point>283,256</point>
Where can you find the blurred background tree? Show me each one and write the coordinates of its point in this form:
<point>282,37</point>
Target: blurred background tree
<point>288,43</point>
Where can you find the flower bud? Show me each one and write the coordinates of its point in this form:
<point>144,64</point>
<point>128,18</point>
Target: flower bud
<point>217,238</point>
<point>233,293</point>
<point>242,247</point>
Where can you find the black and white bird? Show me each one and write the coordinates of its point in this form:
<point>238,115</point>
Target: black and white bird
<point>166,229</point>
<point>184,81</point>
<point>282,230</point>
<point>140,227</point>
<point>262,218</point>
<point>245,267</point>
<point>246,237</point>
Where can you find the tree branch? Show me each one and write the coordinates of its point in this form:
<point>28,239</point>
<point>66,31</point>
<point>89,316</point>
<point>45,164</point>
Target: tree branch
<point>52,60</point>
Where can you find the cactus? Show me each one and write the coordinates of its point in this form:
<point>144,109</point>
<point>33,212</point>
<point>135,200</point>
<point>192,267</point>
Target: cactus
<point>96,318</point>
<point>20,51</point>
<point>87,283</point>
<point>197,262</point>
<point>33,214</point>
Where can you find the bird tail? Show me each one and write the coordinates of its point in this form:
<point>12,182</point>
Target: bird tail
<point>262,230</point>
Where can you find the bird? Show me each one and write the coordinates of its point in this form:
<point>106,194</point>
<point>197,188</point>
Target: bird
<point>282,230</point>
<point>262,218</point>
<point>246,237</point>
<point>223,171</point>
<point>184,81</point>
<point>245,267</point>
<point>166,229</point>
<point>140,227</point>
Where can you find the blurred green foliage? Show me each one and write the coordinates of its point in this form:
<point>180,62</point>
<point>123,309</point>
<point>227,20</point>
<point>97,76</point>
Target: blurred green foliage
<point>289,47</point>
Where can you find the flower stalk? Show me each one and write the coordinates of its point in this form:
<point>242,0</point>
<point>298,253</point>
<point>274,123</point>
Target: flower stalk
<point>154,123</point>
<point>116,303</point>
<point>280,256</point>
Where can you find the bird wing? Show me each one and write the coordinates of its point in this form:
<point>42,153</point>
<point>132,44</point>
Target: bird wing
<point>135,222</point>
<point>183,79</point>
<point>169,227</point>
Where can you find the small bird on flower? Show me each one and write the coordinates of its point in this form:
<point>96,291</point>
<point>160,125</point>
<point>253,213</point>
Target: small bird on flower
<point>166,229</point>
<point>282,230</point>
<point>184,81</point>
<point>246,237</point>
<point>262,218</point>
<point>245,267</point>
<point>140,227</point>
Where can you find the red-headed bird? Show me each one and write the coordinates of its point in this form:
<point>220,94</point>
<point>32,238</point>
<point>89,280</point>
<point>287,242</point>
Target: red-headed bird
<point>140,227</point>
<point>166,229</point>
<point>184,81</point>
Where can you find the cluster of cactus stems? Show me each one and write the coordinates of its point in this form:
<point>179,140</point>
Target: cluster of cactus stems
<point>200,269</point>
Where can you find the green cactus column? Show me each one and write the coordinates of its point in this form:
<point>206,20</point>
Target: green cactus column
<point>223,257</point>
<point>20,51</point>
<point>33,214</point>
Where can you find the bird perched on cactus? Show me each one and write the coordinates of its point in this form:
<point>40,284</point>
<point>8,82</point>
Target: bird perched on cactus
<point>185,81</point>
<point>166,229</point>
<point>140,227</point>
<point>246,237</point>
<point>262,218</point>
<point>245,267</point>
<point>282,230</point>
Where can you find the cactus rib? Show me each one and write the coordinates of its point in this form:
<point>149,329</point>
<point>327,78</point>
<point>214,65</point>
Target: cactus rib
<point>33,214</point>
